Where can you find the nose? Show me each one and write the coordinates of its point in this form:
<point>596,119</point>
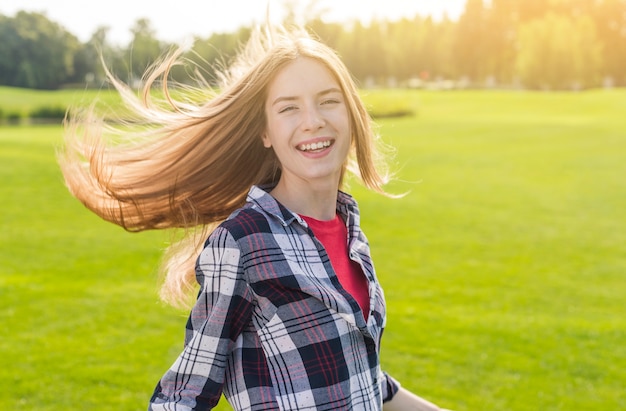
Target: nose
<point>312,118</point>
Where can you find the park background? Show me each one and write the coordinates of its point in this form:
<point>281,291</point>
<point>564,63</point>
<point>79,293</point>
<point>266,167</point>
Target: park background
<point>503,266</point>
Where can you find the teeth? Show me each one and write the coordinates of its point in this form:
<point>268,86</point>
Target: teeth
<point>315,146</point>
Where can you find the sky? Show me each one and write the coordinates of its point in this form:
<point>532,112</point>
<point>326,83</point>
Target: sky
<point>178,20</point>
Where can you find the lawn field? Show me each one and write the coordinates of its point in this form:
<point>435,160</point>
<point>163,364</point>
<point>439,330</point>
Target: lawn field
<point>23,101</point>
<point>504,265</point>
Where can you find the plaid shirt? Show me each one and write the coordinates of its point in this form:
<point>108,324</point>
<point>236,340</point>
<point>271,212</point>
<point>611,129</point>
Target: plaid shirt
<point>272,328</point>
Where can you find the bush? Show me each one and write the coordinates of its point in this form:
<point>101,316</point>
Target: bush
<point>48,113</point>
<point>13,117</point>
<point>389,103</point>
<point>397,112</point>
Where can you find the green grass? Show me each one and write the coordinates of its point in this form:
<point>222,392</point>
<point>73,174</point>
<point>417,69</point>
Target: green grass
<point>25,101</point>
<point>503,266</point>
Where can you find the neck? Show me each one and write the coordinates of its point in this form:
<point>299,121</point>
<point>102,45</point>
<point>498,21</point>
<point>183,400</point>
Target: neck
<point>314,200</point>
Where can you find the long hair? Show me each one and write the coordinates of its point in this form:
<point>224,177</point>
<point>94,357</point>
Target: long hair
<point>182,165</point>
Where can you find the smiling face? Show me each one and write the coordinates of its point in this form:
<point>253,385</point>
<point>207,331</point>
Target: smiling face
<point>307,125</point>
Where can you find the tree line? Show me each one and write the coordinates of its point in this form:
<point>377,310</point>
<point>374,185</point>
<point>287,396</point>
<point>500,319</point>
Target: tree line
<point>537,44</point>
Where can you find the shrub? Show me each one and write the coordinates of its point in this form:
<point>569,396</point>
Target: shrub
<point>48,113</point>
<point>13,117</point>
<point>389,103</point>
<point>397,112</point>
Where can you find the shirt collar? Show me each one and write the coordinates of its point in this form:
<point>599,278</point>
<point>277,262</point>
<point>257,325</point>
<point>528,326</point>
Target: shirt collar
<point>260,197</point>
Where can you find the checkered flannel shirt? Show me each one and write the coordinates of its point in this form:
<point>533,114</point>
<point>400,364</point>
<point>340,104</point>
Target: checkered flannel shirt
<point>272,328</point>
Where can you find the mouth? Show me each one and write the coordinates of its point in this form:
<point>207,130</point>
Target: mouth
<point>315,147</point>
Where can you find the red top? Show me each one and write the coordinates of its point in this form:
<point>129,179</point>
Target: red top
<point>333,235</point>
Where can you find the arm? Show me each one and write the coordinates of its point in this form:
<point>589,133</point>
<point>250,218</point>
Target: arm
<point>222,310</point>
<point>405,400</point>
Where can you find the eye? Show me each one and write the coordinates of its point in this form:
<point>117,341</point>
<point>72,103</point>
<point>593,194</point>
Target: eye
<point>286,109</point>
<point>331,101</point>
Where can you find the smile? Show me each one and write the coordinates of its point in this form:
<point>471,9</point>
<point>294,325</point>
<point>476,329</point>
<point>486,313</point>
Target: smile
<point>320,145</point>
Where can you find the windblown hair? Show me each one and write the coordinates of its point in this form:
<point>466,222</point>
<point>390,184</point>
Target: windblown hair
<point>182,165</point>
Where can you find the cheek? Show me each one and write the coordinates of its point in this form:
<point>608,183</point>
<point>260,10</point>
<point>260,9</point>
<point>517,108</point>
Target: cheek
<point>342,122</point>
<point>277,132</point>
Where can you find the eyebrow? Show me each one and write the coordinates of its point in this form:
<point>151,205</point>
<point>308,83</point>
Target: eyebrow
<point>320,94</point>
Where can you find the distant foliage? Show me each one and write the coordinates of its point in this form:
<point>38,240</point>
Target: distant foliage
<point>35,52</point>
<point>559,52</point>
<point>48,113</point>
<point>13,117</point>
<point>388,103</point>
<point>556,44</point>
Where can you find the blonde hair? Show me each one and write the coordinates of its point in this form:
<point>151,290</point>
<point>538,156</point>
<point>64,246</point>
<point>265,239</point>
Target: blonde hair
<point>181,165</point>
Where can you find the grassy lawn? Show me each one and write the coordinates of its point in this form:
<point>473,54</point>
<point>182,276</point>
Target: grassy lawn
<point>23,101</point>
<point>504,265</point>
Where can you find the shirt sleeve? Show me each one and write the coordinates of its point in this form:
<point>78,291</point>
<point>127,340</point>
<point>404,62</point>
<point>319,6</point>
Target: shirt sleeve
<point>389,387</point>
<point>223,308</point>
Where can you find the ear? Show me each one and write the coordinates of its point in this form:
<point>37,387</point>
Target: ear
<point>267,143</point>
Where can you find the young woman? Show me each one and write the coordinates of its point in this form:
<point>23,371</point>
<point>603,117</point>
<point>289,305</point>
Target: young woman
<point>289,314</point>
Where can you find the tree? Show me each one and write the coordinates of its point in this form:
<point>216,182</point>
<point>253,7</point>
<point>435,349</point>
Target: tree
<point>36,52</point>
<point>502,24</point>
<point>610,18</point>
<point>87,64</point>
<point>405,48</point>
<point>329,33</point>
<point>353,47</point>
<point>144,49</point>
<point>469,49</point>
<point>210,54</point>
<point>8,49</point>
<point>545,43</point>
<point>558,52</point>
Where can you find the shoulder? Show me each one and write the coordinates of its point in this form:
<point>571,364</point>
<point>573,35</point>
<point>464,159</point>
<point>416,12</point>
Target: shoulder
<point>245,222</point>
<point>246,234</point>
<point>244,229</point>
